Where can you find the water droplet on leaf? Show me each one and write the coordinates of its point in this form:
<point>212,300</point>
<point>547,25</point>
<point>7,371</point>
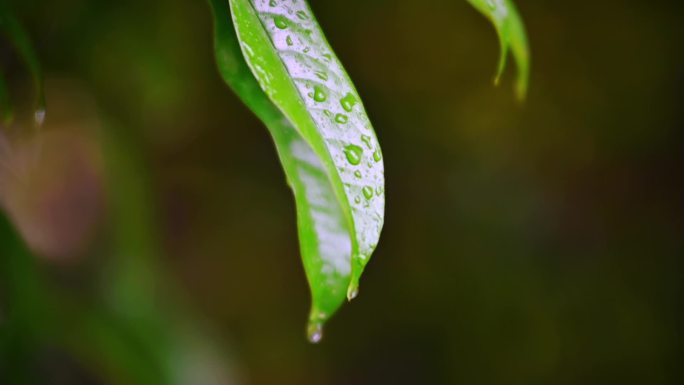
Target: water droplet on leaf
<point>348,102</point>
<point>367,140</point>
<point>353,154</point>
<point>280,21</point>
<point>367,192</point>
<point>377,155</point>
<point>320,94</point>
<point>341,118</point>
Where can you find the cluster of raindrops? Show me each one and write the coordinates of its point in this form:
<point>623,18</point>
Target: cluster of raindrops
<point>335,108</point>
<point>340,124</point>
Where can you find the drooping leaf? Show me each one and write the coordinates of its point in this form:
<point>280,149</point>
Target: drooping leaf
<point>278,62</point>
<point>15,33</point>
<point>511,31</point>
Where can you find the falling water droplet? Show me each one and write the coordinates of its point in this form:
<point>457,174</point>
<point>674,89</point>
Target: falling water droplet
<point>315,332</point>
<point>341,118</point>
<point>39,117</point>
<point>319,94</point>
<point>353,154</point>
<point>367,192</point>
<point>280,21</point>
<point>348,102</point>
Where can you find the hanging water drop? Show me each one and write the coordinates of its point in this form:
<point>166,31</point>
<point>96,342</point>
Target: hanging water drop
<point>289,41</point>
<point>302,15</point>
<point>353,289</point>
<point>341,118</point>
<point>315,332</point>
<point>321,75</point>
<point>353,154</point>
<point>353,293</point>
<point>357,174</point>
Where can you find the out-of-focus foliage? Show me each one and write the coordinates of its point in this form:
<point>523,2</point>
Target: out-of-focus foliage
<point>511,32</point>
<point>12,30</point>
<point>535,245</point>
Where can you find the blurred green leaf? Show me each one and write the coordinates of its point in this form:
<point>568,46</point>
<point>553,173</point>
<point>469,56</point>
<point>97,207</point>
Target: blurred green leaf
<point>14,31</point>
<point>6,109</point>
<point>324,139</point>
<point>511,31</point>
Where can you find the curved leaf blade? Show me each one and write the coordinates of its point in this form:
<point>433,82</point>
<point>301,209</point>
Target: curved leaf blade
<point>511,32</point>
<point>326,241</point>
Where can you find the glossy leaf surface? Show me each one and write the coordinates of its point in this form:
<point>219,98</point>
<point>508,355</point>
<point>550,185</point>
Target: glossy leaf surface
<point>278,62</point>
<point>511,31</point>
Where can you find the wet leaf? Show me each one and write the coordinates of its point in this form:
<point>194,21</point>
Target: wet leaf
<point>278,62</point>
<point>511,31</point>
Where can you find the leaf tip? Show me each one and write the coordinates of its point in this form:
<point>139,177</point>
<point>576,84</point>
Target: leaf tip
<point>352,292</point>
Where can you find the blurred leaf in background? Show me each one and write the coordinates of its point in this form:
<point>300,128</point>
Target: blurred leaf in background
<point>532,245</point>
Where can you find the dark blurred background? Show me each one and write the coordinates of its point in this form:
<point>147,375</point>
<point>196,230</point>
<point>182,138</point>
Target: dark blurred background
<point>524,244</point>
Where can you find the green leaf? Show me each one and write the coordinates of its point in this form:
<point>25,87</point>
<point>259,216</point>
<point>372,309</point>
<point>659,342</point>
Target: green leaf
<point>282,67</point>
<point>16,34</point>
<point>511,31</point>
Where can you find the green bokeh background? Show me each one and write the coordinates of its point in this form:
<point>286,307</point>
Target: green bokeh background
<point>533,244</point>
